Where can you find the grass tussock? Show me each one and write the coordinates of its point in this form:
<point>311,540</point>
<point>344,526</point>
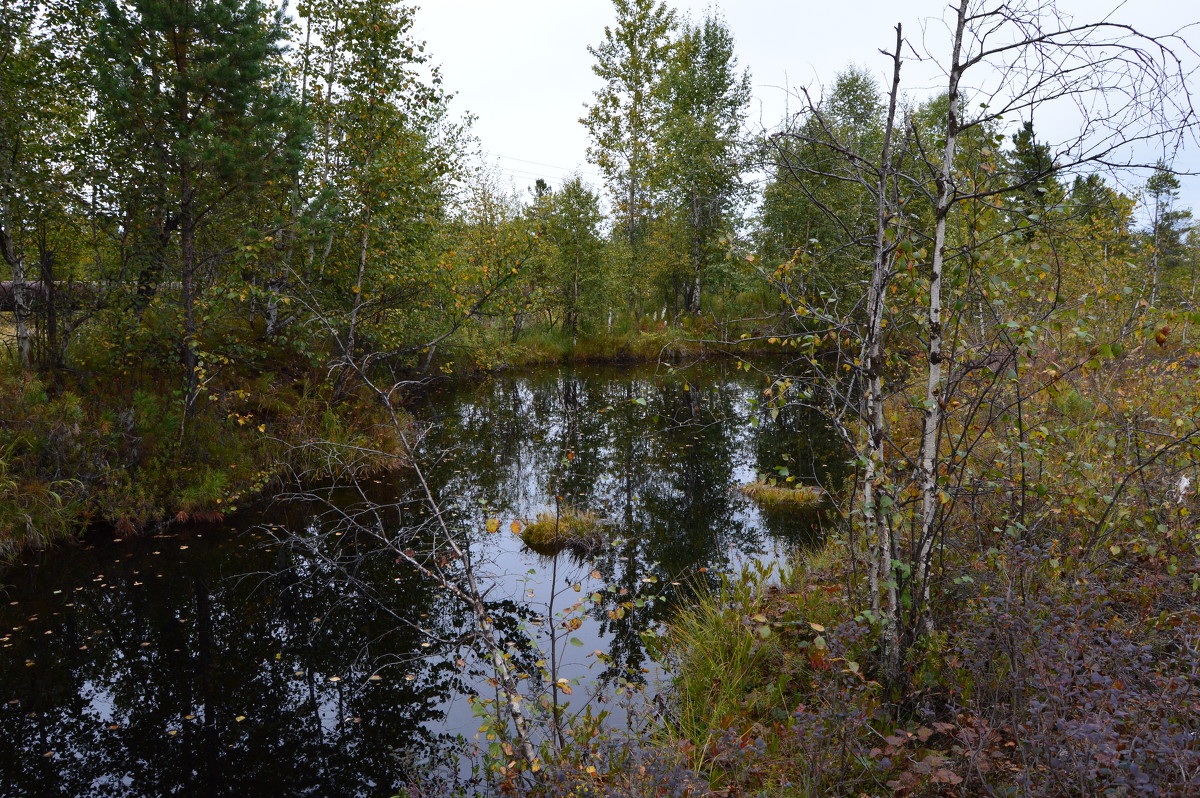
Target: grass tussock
<point>580,532</point>
<point>772,495</point>
<point>770,694</point>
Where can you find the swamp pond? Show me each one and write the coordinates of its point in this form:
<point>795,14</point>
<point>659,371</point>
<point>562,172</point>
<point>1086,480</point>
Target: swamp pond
<point>232,660</point>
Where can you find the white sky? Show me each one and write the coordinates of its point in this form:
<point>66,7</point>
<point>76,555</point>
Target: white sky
<point>523,69</point>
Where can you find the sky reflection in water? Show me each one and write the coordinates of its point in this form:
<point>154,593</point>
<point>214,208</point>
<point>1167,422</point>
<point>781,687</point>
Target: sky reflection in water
<point>215,661</point>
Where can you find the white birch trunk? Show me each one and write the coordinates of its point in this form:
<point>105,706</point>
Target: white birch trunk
<point>876,488</point>
<point>931,426</point>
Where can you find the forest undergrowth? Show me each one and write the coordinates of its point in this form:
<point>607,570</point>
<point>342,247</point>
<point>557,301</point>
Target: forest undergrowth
<point>1066,654</point>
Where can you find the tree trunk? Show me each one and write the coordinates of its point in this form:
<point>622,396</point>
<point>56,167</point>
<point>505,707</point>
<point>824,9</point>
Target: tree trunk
<point>20,296</point>
<point>573,316</point>
<point>877,491</point>
<point>931,427</point>
<point>187,254</point>
<point>697,254</point>
<point>351,341</point>
<point>51,356</point>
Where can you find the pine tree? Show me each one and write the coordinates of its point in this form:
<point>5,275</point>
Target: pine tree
<point>579,275</point>
<point>1168,226</point>
<point>198,115</point>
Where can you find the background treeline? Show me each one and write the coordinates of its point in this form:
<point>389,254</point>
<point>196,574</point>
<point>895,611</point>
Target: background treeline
<point>211,216</point>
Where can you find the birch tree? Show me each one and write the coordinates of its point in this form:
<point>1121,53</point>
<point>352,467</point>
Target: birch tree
<point>703,97</point>
<point>624,118</point>
<point>1127,91</point>
<point>376,175</point>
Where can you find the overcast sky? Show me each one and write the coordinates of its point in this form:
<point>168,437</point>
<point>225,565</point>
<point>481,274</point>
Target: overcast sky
<point>522,68</point>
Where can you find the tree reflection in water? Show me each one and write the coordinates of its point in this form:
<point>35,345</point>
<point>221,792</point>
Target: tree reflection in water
<point>219,661</point>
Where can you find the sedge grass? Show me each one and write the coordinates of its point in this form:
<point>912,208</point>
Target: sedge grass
<point>583,532</point>
<point>773,495</point>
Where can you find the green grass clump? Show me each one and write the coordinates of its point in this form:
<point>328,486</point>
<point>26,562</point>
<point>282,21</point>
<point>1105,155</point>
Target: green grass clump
<point>773,495</point>
<point>767,697</point>
<point>581,532</point>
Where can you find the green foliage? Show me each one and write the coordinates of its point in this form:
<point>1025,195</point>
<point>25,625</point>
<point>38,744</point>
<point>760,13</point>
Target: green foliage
<point>376,180</point>
<point>703,100</point>
<point>1167,235</point>
<point>622,122</point>
<point>828,218</point>
<point>631,61</point>
<point>576,273</point>
<point>1033,172</point>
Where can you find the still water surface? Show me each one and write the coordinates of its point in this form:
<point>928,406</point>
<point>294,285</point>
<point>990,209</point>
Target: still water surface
<point>221,661</point>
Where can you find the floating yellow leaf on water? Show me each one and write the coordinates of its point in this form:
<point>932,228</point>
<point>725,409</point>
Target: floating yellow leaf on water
<point>375,677</point>
<point>172,732</point>
<point>335,678</point>
<point>492,524</point>
<point>408,677</point>
<point>240,718</point>
<point>816,627</point>
<point>515,526</point>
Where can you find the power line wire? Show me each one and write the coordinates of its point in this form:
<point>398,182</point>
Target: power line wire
<point>547,165</point>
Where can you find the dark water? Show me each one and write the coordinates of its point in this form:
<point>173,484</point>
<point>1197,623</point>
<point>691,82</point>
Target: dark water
<point>221,661</point>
